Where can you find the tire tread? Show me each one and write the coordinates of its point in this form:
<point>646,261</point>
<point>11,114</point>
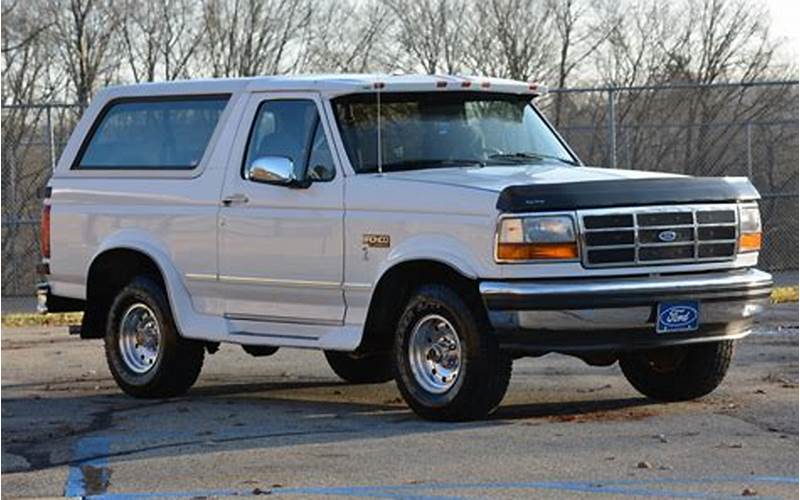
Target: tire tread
<point>182,358</point>
<point>702,370</point>
<point>490,372</point>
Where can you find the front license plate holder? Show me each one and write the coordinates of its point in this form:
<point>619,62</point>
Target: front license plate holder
<point>680,316</point>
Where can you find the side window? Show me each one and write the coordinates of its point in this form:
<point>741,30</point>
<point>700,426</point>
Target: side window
<point>291,129</point>
<point>162,133</point>
<point>320,162</point>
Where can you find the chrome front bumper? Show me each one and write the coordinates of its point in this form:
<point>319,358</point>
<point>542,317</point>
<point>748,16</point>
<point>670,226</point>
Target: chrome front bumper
<point>619,313</point>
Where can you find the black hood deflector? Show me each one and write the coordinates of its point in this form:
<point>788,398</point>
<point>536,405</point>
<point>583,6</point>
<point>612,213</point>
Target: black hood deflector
<point>624,192</point>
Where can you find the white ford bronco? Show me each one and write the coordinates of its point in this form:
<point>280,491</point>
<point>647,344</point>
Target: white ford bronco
<point>426,229</point>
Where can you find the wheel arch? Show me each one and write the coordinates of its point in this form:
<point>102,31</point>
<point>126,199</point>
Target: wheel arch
<point>116,262</point>
<point>394,287</point>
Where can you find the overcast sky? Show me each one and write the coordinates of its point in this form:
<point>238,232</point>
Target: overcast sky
<point>785,16</point>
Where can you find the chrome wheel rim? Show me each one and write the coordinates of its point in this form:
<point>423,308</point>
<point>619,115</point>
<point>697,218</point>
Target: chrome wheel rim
<point>139,338</point>
<point>435,354</point>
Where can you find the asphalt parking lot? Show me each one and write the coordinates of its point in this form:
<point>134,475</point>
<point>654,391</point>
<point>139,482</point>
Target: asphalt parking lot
<point>285,425</point>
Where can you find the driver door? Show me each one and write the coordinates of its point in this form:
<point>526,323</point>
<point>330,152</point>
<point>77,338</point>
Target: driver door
<point>281,244</point>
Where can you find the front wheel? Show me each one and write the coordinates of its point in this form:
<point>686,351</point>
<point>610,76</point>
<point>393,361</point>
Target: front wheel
<point>678,373</point>
<point>145,353</point>
<point>448,366</point>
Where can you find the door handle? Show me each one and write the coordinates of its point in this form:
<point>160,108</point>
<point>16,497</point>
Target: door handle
<point>235,199</point>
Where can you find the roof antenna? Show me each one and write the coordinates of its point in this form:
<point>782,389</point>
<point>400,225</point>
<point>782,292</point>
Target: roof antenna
<point>378,87</point>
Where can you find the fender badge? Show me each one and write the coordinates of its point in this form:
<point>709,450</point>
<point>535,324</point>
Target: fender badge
<point>376,240</point>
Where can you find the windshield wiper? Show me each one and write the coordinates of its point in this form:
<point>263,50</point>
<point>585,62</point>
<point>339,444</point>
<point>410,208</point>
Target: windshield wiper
<point>523,156</point>
<point>431,163</point>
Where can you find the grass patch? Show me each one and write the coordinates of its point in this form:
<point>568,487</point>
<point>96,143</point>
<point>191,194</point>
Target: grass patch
<point>33,319</point>
<point>781,294</point>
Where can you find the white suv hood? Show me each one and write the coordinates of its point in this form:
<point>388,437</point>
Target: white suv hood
<point>496,178</point>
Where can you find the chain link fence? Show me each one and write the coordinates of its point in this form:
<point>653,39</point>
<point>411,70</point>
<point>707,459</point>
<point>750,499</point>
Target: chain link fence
<point>33,137</point>
<point>710,130</point>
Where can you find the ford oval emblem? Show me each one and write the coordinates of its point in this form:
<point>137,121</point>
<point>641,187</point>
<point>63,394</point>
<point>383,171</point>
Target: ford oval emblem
<point>667,236</point>
<point>678,317</point>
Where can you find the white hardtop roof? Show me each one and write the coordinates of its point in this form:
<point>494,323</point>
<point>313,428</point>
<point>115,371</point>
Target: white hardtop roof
<point>330,85</point>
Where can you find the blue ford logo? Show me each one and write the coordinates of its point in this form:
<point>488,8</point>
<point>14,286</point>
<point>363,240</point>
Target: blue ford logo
<point>678,316</point>
<point>667,236</point>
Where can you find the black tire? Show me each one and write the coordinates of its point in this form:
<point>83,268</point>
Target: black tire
<point>678,373</point>
<point>178,362</point>
<point>367,369</point>
<point>484,371</point>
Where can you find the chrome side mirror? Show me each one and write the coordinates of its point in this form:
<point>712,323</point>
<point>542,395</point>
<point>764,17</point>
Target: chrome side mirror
<point>272,170</point>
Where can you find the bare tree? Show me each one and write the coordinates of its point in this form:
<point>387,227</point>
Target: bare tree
<point>346,36</point>
<point>253,37</point>
<point>141,37</point>
<point>659,44</point>
<point>627,55</point>
<point>160,37</point>
<point>25,61</point>
<point>725,39</point>
<point>512,38</point>
<point>26,79</point>
<point>83,31</point>
<point>700,41</point>
<point>579,35</point>
<point>431,34</point>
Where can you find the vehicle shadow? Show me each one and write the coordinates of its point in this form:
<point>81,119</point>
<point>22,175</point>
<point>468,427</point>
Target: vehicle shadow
<point>359,399</point>
<point>566,410</point>
<point>239,416</point>
<point>226,389</point>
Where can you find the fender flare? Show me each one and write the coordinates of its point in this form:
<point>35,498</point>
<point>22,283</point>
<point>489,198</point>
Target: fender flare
<point>439,248</point>
<point>443,250</point>
<point>143,242</point>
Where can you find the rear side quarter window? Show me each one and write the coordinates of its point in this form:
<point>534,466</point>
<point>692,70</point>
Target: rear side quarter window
<point>163,133</point>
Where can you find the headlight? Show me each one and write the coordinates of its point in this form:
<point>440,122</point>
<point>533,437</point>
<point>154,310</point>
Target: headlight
<point>549,237</point>
<point>749,228</point>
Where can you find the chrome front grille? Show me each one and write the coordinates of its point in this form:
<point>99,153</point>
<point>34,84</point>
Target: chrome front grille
<point>658,235</point>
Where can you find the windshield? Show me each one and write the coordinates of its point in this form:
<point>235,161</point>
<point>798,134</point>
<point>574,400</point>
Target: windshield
<point>445,129</point>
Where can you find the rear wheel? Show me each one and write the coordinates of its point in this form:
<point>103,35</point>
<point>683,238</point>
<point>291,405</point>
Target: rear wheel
<point>678,373</point>
<point>145,353</point>
<point>448,366</point>
<point>361,369</point>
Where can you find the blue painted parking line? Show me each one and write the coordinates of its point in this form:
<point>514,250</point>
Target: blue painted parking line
<point>90,452</point>
<point>90,455</point>
<point>632,487</point>
<point>722,479</point>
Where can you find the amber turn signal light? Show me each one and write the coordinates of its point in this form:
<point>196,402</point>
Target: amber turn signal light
<point>537,251</point>
<point>750,242</point>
